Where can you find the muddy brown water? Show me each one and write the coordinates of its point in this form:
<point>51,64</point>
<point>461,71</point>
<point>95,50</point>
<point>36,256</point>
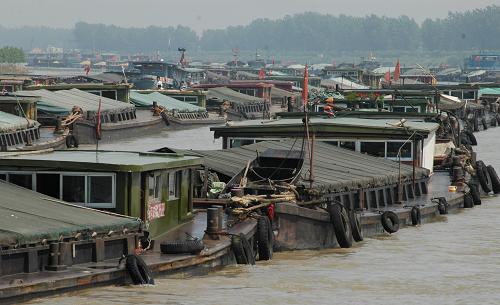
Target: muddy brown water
<point>453,261</point>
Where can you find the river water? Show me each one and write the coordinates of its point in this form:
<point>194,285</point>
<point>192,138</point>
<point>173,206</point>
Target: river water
<point>454,261</point>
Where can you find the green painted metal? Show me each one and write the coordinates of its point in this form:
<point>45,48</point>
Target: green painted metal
<point>115,161</point>
<point>325,127</point>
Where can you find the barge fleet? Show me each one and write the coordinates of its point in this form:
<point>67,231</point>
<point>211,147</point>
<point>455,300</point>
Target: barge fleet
<point>338,167</point>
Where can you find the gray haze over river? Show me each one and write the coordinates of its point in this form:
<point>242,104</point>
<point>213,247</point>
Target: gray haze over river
<point>454,261</point>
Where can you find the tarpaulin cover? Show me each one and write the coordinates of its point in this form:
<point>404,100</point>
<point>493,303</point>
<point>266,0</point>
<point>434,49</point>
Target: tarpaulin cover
<point>27,217</point>
<point>62,101</point>
<point>170,103</point>
<point>334,169</point>
<point>10,122</point>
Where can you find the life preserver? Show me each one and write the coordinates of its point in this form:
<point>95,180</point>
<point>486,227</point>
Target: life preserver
<point>341,225</point>
<point>138,270</point>
<point>265,238</point>
<point>416,216</point>
<point>390,221</point>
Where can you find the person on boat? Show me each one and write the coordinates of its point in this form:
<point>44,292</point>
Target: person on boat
<point>159,83</point>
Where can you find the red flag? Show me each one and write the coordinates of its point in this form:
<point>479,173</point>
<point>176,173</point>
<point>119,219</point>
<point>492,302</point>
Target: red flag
<point>387,76</point>
<point>397,71</point>
<point>98,123</point>
<point>262,74</point>
<point>305,86</point>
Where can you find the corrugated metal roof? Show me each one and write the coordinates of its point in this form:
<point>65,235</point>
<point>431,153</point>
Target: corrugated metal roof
<point>62,101</point>
<point>334,169</point>
<point>224,93</point>
<point>170,103</point>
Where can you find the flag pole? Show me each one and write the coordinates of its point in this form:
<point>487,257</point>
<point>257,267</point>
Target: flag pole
<point>98,130</point>
<point>309,144</point>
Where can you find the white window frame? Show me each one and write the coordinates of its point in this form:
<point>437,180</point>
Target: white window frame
<point>357,144</point>
<point>156,188</point>
<point>176,187</point>
<point>105,205</point>
<point>100,205</point>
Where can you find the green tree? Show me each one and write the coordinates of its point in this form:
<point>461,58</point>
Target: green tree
<point>12,55</point>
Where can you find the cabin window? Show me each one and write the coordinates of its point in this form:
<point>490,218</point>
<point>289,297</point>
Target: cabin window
<point>24,180</point>
<point>48,184</point>
<point>251,92</point>
<point>376,149</point>
<point>398,109</point>
<point>348,145</point>
<point>73,189</point>
<point>100,191</point>
<point>3,177</point>
<point>334,143</point>
<point>241,142</point>
<point>155,187</point>
<point>173,185</point>
<point>393,148</point>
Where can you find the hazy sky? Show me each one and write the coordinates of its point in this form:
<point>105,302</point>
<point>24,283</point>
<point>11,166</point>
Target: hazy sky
<point>203,14</point>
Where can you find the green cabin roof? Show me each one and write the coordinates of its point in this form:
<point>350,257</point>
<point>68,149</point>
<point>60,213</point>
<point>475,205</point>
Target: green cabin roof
<point>170,103</point>
<point>116,161</point>
<point>324,126</point>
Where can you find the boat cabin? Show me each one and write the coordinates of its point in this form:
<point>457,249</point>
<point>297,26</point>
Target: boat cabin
<point>156,188</point>
<point>408,141</point>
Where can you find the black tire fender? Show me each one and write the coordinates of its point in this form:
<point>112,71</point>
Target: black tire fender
<point>468,202</point>
<point>182,246</point>
<point>483,122</point>
<point>493,122</point>
<point>495,181</point>
<point>474,191</point>
<point>483,176</point>
<point>138,270</point>
<point>239,252</point>
<point>357,233</point>
<point>390,221</point>
<point>442,206</point>
<point>416,216</point>
<point>265,238</point>
<point>341,225</point>
<point>250,254</point>
<point>472,137</point>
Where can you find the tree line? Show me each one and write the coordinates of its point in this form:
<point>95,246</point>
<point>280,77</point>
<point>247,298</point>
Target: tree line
<point>475,29</point>
<point>12,55</point>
